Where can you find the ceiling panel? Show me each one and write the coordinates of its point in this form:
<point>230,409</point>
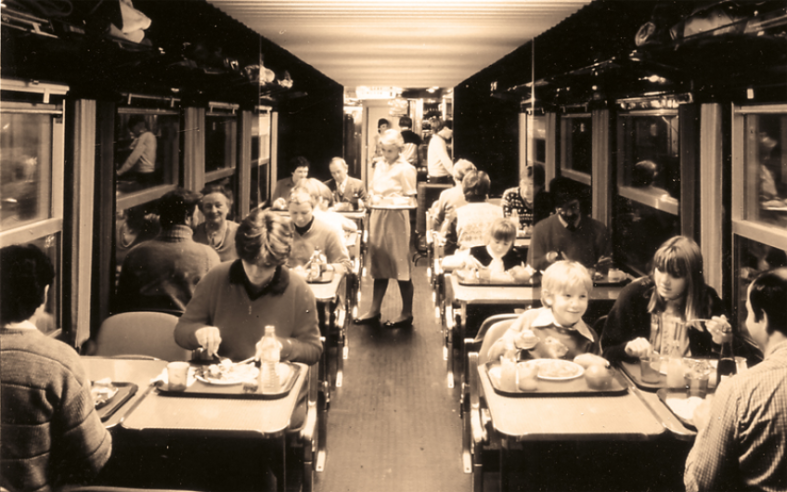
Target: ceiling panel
<point>403,43</point>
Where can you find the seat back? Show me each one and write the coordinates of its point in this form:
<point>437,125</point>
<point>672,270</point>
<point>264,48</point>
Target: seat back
<point>427,194</point>
<point>140,333</point>
<point>493,333</point>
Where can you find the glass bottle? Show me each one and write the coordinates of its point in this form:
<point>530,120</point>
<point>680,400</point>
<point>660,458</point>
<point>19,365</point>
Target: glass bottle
<point>271,354</point>
<point>727,366</point>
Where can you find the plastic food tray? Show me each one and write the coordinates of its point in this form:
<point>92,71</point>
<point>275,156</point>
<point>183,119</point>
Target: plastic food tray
<point>469,279</point>
<point>205,390</point>
<point>571,387</point>
<point>109,407</point>
<point>325,278</point>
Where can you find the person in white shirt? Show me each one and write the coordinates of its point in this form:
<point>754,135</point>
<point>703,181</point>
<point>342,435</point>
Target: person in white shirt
<point>439,164</point>
<point>141,164</point>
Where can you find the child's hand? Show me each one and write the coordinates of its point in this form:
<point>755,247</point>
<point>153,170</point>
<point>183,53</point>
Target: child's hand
<point>520,273</point>
<point>472,263</point>
<point>639,347</point>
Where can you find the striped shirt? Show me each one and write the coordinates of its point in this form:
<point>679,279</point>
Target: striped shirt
<point>744,445</point>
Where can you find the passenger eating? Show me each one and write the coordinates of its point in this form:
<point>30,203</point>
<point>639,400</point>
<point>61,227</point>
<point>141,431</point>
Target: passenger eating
<point>743,428</point>
<point>568,235</point>
<point>520,201</point>
<point>235,300</point>
<point>497,257</point>
<point>217,232</point>
<point>467,226</point>
<point>312,234</point>
<point>555,331</point>
<point>348,192</point>
<point>642,318</point>
<point>299,166</point>
<point>454,197</point>
<point>51,433</point>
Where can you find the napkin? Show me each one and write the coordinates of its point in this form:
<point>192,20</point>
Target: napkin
<point>163,381</point>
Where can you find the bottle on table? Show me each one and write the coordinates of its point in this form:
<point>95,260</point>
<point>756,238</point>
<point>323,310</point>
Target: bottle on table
<point>315,266</point>
<point>271,354</point>
<point>727,366</point>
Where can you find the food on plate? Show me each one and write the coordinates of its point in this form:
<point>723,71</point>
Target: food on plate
<point>598,377</point>
<point>102,391</point>
<point>226,372</point>
<point>526,340</point>
<point>556,368</point>
<point>527,375</point>
<point>555,348</point>
<point>587,360</point>
<point>684,407</point>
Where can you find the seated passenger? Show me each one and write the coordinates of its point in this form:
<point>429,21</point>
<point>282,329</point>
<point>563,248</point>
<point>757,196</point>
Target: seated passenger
<point>313,234</point>
<point>217,232</point>
<point>498,255</point>
<point>568,235</point>
<point>522,199</point>
<point>742,429</point>
<point>555,331</point>
<point>161,274</point>
<point>452,198</point>
<point>323,197</point>
<point>345,189</point>
<point>51,434</point>
<point>468,224</point>
<point>299,167</point>
<point>639,321</point>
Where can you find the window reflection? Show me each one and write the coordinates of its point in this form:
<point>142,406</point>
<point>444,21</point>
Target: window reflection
<point>639,231</point>
<point>134,225</point>
<point>146,150</point>
<point>25,169</point>
<point>536,140</point>
<point>753,258</point>
<point>652,138</point>
<point>578,135</point>
<point>220,143</point>
<point>766,176</point>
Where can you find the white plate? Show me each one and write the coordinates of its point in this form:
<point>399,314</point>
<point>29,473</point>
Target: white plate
<point>557,369</point>
<point>238,375</point>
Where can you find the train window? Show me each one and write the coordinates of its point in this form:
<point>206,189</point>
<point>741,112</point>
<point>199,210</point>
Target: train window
<point>648,177</point>
<point>221,148</point>
<point>260,156</point>
<point>576,135</point>
<point>31,189</point>
<point>765,178</point>
<point>147,147</point>
<point>536,140</point>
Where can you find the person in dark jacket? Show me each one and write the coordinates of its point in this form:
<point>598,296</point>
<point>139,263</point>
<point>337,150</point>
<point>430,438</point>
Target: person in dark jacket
<point>643,316</point>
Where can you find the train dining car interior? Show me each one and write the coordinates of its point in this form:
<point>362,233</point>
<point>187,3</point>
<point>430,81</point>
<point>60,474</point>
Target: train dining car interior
<point>645,120</point>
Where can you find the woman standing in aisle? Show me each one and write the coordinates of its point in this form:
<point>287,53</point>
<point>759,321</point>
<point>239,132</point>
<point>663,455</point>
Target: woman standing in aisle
<point>389,235</point>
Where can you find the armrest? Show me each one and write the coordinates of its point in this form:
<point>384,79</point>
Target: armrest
<point>477,428</point>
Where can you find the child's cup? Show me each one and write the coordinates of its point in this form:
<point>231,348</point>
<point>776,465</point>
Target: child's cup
<point>177,375</point>
<point>650,366</point>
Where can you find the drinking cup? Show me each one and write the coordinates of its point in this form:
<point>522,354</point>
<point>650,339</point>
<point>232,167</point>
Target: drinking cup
<point>650,367</point>
<point>177,375</point>
<point>615,275</point>
<point>697,384</point>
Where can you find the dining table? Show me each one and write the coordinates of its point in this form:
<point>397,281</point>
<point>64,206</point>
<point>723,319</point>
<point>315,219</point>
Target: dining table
<point>622,416</point>
<point>152,414</point>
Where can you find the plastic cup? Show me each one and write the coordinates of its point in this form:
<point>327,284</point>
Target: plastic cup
<point>649,367</point>
<point>697,384</point>
<point>177,375</point>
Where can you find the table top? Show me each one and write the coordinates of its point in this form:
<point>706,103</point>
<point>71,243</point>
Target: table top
<point>512,294</point>
<point>139,372</point>
<point>624,417</point>
<point>204,416</point>
<point>329,291</point>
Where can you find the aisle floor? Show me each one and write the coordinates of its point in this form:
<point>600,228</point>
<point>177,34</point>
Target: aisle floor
<point>394,425</point>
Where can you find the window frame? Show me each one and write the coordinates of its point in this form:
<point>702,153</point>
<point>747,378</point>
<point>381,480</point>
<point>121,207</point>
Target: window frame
<point>565,121</point>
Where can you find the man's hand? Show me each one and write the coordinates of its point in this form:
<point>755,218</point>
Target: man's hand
<point>209,339</point>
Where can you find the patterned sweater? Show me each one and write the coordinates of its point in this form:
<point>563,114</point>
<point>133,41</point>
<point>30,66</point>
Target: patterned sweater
<point>51,434</point>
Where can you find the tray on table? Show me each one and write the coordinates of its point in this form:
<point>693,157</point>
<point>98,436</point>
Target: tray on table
<point>200,389</point>
<point>632,370</point>
<point>469,278</point>
<point>576,386</point>
<point>604,280</point>
<point>325,278</point>
<point>666,394</point>
<point>108,408</point>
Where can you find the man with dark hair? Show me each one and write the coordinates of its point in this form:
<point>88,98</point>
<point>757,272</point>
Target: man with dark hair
<point>742,438</point>
<point>411,140</point>
<point>51,434</point>
<point>567,235</point>
<point>161,274</point>
<point>299,167</point>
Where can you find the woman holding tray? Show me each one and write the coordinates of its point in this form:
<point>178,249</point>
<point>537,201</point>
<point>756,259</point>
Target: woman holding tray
<point>642,319</point>
<point>389,231</point>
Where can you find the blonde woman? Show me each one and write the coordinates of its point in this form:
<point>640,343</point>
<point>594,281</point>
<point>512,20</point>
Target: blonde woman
<point>389,231</point>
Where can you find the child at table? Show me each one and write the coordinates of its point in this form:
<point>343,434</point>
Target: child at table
<point>555,331</point>
<point>497,255</point>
